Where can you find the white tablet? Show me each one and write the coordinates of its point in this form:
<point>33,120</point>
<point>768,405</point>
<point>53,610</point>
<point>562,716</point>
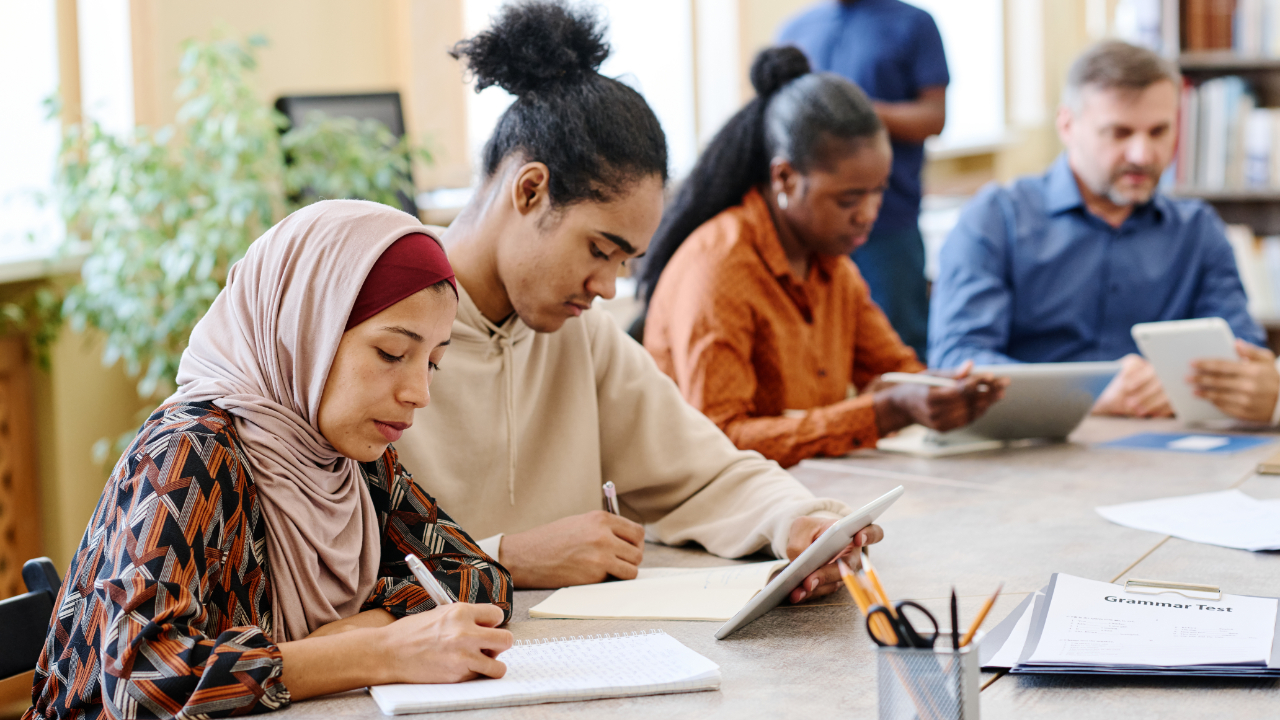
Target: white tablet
<point>822,551</point>
<point>1171,346</point>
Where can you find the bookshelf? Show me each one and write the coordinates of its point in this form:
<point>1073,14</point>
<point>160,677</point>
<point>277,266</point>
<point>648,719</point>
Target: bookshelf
<point>1220,62</point>
<point>1258,208</point>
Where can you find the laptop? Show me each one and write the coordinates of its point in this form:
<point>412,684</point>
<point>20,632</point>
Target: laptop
<point>1043,401</point>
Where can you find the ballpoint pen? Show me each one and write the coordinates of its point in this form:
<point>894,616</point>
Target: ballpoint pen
<point>902,378</point>
<point>611,498</point>
<point>429,582</point>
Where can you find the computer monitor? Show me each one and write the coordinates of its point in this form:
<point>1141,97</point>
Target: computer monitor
<point>383,107</point>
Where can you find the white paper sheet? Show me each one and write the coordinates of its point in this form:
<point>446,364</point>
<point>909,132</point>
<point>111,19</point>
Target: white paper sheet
<point>1096,623</point>
<point>1008,654</point>
<point>716,593</point>
<point>1228,518</point>
<point>1199,443</point>
<point>566,669</point>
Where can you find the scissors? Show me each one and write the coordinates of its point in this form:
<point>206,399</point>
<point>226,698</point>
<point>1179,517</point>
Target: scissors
<point>907,637</point>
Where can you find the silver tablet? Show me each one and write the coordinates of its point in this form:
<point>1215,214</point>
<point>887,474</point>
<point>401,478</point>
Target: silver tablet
<point>1171,346</point>
<point>1043,400</point>
<point>822,551</point>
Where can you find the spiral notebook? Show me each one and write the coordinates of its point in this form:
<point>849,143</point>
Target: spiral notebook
<point>566,669</point>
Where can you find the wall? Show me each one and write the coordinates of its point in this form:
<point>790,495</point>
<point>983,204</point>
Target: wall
<point>77,403</point>
<point>319,47</point>
<point>1064,36</point>
<point>759,22</point>
<point>1042,37</point>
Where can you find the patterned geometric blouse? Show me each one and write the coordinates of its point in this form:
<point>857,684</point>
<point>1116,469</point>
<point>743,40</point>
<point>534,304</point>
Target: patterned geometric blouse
<point>166,608</point>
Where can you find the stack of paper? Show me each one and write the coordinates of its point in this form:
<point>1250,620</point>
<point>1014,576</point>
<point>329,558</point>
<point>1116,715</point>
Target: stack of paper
<point>1084,627</point>
<point>1228,518</point>
<point>716,593</point>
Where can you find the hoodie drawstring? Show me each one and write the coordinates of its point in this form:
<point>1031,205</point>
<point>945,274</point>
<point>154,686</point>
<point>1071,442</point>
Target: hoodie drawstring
<point>508,372</point>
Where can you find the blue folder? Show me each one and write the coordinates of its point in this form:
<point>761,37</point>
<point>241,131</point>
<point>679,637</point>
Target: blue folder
<point>1198,443</point>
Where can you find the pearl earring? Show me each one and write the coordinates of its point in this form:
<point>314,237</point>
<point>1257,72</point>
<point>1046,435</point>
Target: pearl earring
<point>782,200</point>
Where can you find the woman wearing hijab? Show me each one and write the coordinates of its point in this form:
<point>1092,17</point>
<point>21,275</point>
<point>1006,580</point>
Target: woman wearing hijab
<point>249,547</point>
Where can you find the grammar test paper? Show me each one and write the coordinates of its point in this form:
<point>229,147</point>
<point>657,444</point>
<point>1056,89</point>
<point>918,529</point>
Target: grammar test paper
<point>1098,623</point>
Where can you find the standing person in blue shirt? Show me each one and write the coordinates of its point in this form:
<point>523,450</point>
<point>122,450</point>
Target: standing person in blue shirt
<point>893,51</point>
<point>1059,267</point>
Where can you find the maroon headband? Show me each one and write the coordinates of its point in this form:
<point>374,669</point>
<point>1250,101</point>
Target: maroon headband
<point>410,264</point>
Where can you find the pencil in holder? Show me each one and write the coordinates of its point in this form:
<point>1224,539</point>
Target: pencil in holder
<point>928,684</point>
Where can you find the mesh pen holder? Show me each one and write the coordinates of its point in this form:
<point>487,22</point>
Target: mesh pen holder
<point>923,684</point>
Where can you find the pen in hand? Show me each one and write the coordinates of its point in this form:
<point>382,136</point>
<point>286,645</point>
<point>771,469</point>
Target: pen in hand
<point>611,498</point>
<point>901,378</point>
<point>429,582</point>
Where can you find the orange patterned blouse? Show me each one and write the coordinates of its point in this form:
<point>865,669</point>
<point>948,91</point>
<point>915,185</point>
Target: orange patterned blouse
<point>767,357</point>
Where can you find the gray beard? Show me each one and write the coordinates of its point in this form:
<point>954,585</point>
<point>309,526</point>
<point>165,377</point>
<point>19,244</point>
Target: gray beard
<point>1119,199</point>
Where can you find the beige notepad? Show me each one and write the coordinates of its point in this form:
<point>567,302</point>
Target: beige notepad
<point>1270,466</point>
<point>663,594</point>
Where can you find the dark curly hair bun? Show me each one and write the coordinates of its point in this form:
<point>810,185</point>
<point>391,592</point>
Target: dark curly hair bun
<point>535,44</point>
<point>777,66</point>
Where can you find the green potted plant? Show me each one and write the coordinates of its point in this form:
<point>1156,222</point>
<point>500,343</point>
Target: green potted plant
<point>164,213</point>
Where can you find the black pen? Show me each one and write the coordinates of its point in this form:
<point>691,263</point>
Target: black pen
<point>955,622</point>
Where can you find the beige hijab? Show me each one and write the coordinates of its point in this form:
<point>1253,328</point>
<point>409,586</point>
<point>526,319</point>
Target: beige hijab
<point>263,354</point>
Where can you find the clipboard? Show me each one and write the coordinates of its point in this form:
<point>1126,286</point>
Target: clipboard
<point>1271,669</point>
<point>1187,590</point>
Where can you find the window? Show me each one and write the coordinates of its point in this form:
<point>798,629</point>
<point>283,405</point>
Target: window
<point>973,36</point>
<point>652,51</point>
<point>28,140</point>
<point>30,228</point>
<point>106,64</point>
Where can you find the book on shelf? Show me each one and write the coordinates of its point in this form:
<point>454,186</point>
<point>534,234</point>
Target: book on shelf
<point>1256,31</point>
<point>1258,261</point>
<point>1250,28</point>
<point>1226,142</point>
<point>1207,24</point>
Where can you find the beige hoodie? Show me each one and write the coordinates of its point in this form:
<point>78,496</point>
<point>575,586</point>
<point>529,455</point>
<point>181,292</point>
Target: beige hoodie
<point>524,427</point>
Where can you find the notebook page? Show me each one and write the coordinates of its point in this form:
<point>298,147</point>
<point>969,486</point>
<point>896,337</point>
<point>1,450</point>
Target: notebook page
<point>567,669</point>
<point>667,594</point>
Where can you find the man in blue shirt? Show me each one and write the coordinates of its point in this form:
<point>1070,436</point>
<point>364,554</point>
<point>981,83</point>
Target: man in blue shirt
<point>893,51</point>
<point>1059,267</point>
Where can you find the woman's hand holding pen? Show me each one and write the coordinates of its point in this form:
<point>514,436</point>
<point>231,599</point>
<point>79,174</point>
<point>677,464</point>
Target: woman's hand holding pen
<point>826,579</point>
<point>448,644</point>
<point>577,550</point>
<point>938,408</point>
<point>443,645</point>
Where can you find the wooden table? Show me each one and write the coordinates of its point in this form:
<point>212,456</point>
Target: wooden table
<point>973,521</point>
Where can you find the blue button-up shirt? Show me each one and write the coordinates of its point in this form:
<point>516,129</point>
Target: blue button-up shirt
<point>891,50</point>
<point>1030,275</point>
